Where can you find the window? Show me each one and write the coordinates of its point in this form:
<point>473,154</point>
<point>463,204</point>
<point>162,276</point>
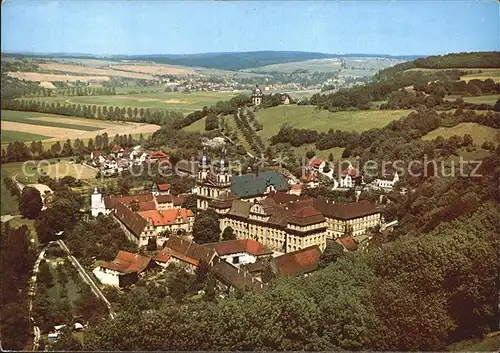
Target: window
<point>236,260</point>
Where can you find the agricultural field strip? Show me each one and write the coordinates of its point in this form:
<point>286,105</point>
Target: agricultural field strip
<point>51,122</point>
<point>35,76</point>
<point>94,71</point>
<point>11,136</point>
<point>58,134</point>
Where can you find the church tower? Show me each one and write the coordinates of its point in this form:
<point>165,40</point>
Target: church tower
<point>212,183</point>
<point>257,96</point>
<point>97,203</point>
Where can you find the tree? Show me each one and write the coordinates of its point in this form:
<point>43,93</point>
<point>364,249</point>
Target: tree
<point>310,154</point>
<point>326,168</point>
<point>124,184</point>
<point>331,253</point>
<point>228,234</point>
<point>467,140</point>
<point>190,202</point>
<point>268,273</point>
<point>496,107</point>
<point>206,228</point>
<point>211,122</point>
<point>152,244</point>
<point>30,203</point>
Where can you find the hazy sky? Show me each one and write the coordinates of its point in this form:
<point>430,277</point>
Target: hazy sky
<point>177,27</point>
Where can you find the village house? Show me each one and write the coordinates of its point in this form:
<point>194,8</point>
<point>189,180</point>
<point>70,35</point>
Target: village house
<point>387,179</point>
<point>160,189</point>
<point>316,164</point>
<point>124,270</point>
<point>240,252</point>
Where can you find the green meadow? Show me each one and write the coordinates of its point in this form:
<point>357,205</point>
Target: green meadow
<point>479,133</point>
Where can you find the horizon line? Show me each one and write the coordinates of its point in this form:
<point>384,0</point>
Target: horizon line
<point>226,52</point>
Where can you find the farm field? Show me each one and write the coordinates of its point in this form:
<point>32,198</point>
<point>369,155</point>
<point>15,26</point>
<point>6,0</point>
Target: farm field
<point>493,73</point>
<point>11,136</point>
<point>361,66</point>
<point>308,117</point>
<point>57,128</point>
<point>479,133</point>
<point>37,76</point>
<point>105,72</point>
<point>65,168</point>
<point>175,101</point>
<point>50,120</point>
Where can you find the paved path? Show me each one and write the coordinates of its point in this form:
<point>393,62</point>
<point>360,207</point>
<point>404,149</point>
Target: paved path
<point>31,294</point>
<point>20,185</point>
<point>8,217</point>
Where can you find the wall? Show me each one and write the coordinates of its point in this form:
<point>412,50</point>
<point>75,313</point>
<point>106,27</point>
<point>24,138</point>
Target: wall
<point>106,276</point>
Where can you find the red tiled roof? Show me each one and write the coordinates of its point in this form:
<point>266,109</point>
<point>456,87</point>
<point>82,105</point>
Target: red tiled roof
<point>348,243</point>
<point>298,262</point>
<point>116,148</point>
<point>249,246</point>
<point>166,217</point>
<point>158,154</point>
<point>96,154</point>
<point>309,177</point>
<point>306,215</point>
<point>127,262</point>
<point>112,201</point>
<point>352,172</point>
<point>163,187</point>
<point>187,251</point>
<point>296,186</point>
<point>315,162</point>
<point>147,206</point>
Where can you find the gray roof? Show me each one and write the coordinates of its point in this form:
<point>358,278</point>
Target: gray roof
<point>249,185</point>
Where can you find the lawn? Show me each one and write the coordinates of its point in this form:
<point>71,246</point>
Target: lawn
<point>31,118</point>
<point>9,203</point>
<point>56,266</point>
<point>64,168</point>
<point>479,133</point>
<point>11,136</point>
<point>154,99</point>
<point>486,99</point>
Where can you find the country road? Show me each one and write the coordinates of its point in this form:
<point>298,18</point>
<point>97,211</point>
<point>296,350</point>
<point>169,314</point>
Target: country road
<point>31,294</point>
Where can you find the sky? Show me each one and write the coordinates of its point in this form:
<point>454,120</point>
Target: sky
<point>181,27</point>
